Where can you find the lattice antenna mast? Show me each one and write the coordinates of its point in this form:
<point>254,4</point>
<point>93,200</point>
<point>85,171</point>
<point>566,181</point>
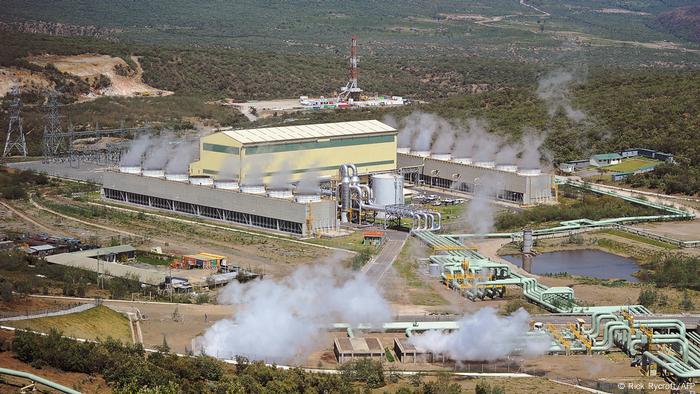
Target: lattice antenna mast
<point>15,140</point>
<point>352,90</point>
<point>53,138</point>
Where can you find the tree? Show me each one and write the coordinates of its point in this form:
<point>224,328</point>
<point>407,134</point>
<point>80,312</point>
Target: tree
<point>6,291</point>
<point>647,297</point>
<point>364,370</point>
<point>686,302</point>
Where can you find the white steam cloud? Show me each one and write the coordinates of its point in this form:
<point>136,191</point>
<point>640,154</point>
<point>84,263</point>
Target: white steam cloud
<point>182,155</point>
<point>485,336</point>
<point>553,88</point>
<point>282,321</point>
<point>480,211</point>
<point>137,149</point>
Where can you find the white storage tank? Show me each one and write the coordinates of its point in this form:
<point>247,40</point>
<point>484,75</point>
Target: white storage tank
<point>387,189</point>
<point>507,167</point>
<point>434,269</point>
<point>201,180</point>
<point>130,169</point>
<point>421,153</point>
<point>280,193</point>
<point>441,156</point>
<point>177,177</point>
<point>307,198</point>
<point>253,189</point>
<point>485,164</point>
<point>154,173</point>
<point>463,160</point>
<point>226,184</point>
<point>529,171</point>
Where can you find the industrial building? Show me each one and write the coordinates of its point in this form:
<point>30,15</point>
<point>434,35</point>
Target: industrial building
<point>299,180</point>
<point>347,349</point>
<point>525,186</point>
<point>254,156</point>
<point>258,210</point>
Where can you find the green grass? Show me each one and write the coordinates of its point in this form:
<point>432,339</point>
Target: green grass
<point>639,238</point>
<point>629,165</point>
<point>349,242</point>
<point>98,322</point>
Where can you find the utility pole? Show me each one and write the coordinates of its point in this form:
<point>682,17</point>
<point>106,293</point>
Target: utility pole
<point>15,134</point>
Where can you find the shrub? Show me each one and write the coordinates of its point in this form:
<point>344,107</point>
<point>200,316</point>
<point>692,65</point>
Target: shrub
<point>364,370</point>
<point>647,297</point>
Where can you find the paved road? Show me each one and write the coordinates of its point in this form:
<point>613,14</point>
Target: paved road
<point>376,268</point>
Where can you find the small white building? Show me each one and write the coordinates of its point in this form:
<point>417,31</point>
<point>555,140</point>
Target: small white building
<point>605,159</point>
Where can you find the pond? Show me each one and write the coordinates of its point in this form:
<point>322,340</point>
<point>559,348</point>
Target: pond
<point>593,263</point>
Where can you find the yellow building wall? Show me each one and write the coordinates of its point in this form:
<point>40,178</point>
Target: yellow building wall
<point>219,165</point>
<point>369,157</point>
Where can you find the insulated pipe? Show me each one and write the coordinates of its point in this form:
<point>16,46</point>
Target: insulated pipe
<point>38,379</point>
<point>357,189</point>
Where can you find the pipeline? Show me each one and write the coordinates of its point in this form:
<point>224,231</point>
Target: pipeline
<point>38,379</point>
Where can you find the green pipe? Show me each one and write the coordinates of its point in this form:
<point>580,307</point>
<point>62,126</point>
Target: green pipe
<point>670,364</point>
<point>38,379</point>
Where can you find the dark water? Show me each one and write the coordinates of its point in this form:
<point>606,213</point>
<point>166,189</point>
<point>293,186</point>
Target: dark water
<point>593,263</point>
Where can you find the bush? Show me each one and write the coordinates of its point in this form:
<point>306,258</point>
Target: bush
<point>647,297</point>
<point>6,291</point>
<point>361,258</point>
<point>364,370</point>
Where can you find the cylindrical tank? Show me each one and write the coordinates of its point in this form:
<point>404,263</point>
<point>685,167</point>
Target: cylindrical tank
<point>485,164</point>
<point>387,189</point>
<point>463,160</point>
<point>201,180</point>
<point>154,173</point>
<point>130,169</point>
<point>441,156</point>
<point>177,177</point>
<point>421,153</point>
<point>305,198</point>
<point>253,189</point>
<point>507,167</point>
<point>434,269</point>
<point>280,193</point>
<point>403,150</point>
<point>528,241</point>
<point>226,184</point>
<point>529,171</point>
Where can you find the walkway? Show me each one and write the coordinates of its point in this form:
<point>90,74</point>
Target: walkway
<point>376,268</point>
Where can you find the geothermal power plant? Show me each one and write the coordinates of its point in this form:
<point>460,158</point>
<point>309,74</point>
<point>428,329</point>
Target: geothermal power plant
<point>307,180</point>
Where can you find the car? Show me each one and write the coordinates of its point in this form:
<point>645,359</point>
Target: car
<point>448,201</point>
<point>436,203</point>
<point>459,201</point>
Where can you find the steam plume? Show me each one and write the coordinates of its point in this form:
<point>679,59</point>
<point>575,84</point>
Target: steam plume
<point>158,152</point>
<point>282,321</point>
<point>480,212</point>
<point>181,157</point>
<point>553,88</point>
<point>484,336</point>
<point>137,148</point>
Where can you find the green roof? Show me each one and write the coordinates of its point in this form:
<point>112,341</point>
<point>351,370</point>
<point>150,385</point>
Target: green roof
<point>607,156</point>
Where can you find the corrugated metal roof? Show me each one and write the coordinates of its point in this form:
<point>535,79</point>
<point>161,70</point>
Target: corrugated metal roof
<point>310,131</point>
<point>607,156</point>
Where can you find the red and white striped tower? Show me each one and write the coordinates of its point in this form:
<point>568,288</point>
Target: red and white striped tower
<point>351,90</point>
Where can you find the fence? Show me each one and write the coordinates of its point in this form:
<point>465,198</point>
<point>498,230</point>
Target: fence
<point>44,312</point>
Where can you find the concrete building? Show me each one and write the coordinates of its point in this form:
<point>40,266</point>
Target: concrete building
<point>605,159</point>
<point>347,349</point>
<point>278,214</point>
<point>520,186</point>
<point>254,155</point>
